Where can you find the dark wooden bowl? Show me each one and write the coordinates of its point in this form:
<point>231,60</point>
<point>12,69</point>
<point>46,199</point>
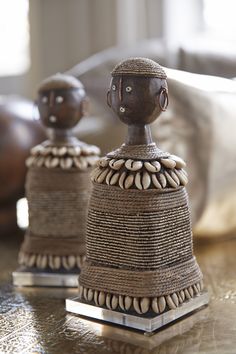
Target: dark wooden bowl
<point>18,133</point>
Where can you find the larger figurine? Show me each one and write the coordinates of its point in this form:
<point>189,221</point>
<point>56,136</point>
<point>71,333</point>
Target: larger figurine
<point>57,189</point>
<point>139,240</point>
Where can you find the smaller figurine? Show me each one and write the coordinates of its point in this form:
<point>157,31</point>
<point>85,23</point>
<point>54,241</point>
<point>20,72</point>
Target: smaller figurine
<point>58,183</point>
<point>140,270</point>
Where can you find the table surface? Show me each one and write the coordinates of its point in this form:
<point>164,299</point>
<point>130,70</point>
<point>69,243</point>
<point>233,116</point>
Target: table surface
<point>33,320</point>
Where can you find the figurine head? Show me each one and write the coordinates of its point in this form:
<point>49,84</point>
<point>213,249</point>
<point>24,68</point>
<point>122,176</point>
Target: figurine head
<point>138,91</point>
<point>61,101</point>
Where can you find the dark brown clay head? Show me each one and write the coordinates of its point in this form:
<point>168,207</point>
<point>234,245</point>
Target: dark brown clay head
<point>138,91</point>
<point>61,101</point>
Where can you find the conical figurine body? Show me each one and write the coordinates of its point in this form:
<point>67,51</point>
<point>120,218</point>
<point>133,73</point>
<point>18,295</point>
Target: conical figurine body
<point>139,240</point>
<point>58,183</point>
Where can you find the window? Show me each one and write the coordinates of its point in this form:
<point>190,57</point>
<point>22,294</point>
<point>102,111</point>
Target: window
<point>14,37</point>
<point>219,18</point>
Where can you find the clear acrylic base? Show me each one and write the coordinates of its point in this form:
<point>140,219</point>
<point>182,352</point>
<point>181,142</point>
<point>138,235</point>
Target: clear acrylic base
<point>147,324</point>
<point>51,279</point>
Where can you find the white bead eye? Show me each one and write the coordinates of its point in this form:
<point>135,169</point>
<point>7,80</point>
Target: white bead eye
<point>44,99</point>
<point>128,89</point>
<point>113,87</point>
<point>59,99</point>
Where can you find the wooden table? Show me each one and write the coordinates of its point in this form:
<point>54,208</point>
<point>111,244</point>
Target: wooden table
<point>34,320</point>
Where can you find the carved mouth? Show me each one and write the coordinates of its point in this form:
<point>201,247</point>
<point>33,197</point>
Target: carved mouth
<point>52,119</point>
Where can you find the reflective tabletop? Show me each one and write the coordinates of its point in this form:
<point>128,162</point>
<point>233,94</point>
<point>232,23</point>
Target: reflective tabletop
<point>34,320</point>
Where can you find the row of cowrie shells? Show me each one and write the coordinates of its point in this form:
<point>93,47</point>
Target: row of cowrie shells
<point>140,305</point>
<point>65,150</point>
<point>174,178</point>
<point>63,162</point>
<point>48,261</point>
<point>151,166</point>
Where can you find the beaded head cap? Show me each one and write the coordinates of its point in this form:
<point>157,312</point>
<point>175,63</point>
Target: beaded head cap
<point>139,67</point>
<point>60,81</point>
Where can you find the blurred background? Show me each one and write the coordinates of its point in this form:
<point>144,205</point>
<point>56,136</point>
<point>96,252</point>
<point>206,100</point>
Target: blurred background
<point>86,38</point>
<point>40,38</point>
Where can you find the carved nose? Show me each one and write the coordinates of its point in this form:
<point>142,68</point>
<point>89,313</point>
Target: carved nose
<point>51,99</point>
<point>120,93</point>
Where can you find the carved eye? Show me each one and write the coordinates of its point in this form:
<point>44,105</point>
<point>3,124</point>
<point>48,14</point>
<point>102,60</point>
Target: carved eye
<point>59,99</point>
<point>128,89</point>
<point>113,87</point>
<point>44,99</point>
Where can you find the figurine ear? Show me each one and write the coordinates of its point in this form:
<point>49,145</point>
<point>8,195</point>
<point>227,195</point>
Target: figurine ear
<point>163,99</point>
<point>84,107</point>
<point>109,98</point>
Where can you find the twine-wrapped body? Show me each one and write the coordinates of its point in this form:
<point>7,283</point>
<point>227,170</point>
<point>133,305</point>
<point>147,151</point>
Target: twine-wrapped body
<point>139,238</point>
<point>58,200</point>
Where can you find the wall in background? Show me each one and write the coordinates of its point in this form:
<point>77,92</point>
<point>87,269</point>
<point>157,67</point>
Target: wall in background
<point>63,33</point>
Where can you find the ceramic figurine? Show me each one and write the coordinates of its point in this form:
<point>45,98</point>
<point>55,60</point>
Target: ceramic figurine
<point>58,183</point>
<point>139,239</point>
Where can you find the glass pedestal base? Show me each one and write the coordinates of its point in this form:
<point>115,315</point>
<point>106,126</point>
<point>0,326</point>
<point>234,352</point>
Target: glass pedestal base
<point>25,277</point>
<point>146,323</point>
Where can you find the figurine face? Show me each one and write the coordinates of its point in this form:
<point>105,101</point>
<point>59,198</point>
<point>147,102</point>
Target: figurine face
<point>136,99</point>
<point>61,108</point>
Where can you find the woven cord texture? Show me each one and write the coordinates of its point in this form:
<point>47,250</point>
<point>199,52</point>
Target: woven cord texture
<point>141,284</point>
<point>58,203</point>
<point>111,199</point>
<point>51,246</point>
<point>139,66</point>
<point>137,232</point>
<point>150,235</point>
<point>145,152</point>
